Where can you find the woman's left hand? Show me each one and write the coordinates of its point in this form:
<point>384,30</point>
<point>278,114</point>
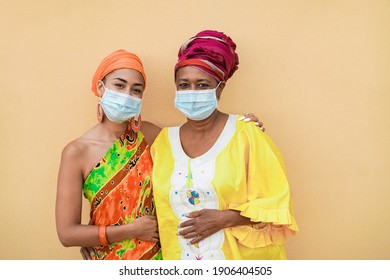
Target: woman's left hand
<point>86,252</point>
<point>249,117</point>
<point>201,224</point>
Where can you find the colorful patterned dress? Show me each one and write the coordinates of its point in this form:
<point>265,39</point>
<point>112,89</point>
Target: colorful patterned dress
<point>119,190</point>
<point>243,171</point>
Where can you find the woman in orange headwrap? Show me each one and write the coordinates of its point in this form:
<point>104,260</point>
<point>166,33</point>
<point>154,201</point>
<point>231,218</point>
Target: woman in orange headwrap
<point>111,164</point>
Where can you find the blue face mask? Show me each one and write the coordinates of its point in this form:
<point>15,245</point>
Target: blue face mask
<point>196,104</point>
<point>120,107</point>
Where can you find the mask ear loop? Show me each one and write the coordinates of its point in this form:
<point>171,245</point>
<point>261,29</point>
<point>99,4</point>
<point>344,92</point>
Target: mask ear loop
<point>218,97</point>
<point>104,86</point>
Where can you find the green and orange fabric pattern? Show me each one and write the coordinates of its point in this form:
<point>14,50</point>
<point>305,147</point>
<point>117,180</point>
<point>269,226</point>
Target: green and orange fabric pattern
<point>119,190</point>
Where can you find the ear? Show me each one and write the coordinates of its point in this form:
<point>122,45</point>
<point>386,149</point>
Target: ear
<point>100,88</point>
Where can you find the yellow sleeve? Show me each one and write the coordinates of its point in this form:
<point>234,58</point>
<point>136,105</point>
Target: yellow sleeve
<point>268,190</point>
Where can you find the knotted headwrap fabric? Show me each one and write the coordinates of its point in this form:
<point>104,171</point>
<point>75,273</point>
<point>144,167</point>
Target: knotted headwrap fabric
<point>117,60</point>
<point>210,51</point>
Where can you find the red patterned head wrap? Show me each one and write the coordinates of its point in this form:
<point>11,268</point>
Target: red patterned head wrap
<point>212,52</point>
<point>117,60</point>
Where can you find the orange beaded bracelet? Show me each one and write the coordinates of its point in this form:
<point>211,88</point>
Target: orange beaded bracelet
<point>102,236</point>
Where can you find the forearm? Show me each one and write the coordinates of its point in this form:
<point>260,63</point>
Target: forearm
<point>119,233</point>
<point>204,223</point>
<point>88,235</point>
<point>232,218</point>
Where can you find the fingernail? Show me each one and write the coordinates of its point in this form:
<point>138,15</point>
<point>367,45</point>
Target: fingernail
<point>257,123</point>
<point>247,119</point>
<point>241,118</point>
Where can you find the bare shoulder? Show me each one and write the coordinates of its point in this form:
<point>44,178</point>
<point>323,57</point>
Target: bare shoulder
<point>78,148</point>
<point>150,130</point>
<point>83,153</point>
<point>74,150</point>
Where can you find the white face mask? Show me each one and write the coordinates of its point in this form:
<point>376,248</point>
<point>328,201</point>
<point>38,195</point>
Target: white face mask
<point>120,107</point>
<point>196,104</point>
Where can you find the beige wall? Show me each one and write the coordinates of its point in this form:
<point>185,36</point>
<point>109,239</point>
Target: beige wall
<point>316,72</point>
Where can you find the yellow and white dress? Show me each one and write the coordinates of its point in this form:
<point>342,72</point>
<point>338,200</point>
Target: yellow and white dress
<point>243,171</point>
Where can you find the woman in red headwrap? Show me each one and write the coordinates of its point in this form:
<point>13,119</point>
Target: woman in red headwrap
<point>220,185</point>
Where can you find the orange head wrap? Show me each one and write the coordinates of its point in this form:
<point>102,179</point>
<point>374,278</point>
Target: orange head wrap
<point>117,60</point>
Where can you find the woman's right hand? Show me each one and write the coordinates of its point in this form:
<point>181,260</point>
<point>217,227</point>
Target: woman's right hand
<point>146,228</point>
<point>249,117</point>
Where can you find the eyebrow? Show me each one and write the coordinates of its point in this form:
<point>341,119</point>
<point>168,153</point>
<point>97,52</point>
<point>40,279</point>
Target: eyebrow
<point>124,81</point>
<point>199,80</point>
<point>120,79</point>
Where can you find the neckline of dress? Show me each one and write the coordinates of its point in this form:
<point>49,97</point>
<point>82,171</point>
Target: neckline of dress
<point>222,140</point>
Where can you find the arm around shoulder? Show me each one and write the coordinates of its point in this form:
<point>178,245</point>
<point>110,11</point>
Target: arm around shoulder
<point>150,131</point>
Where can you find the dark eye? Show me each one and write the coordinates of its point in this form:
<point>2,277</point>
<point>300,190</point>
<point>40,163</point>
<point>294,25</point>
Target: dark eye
<point>120,86</point>
<point>138,91</point>
<point>203,85</point>
<point>182,86</point>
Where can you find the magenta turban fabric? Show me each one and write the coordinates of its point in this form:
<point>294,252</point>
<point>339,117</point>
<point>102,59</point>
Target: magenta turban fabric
<point>210,51</point>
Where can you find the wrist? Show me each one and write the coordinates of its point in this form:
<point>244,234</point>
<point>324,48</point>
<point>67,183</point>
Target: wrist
<point>103,236</point>
<point>228,218</point>
<point>234,218</point>
<point>132,230</point>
